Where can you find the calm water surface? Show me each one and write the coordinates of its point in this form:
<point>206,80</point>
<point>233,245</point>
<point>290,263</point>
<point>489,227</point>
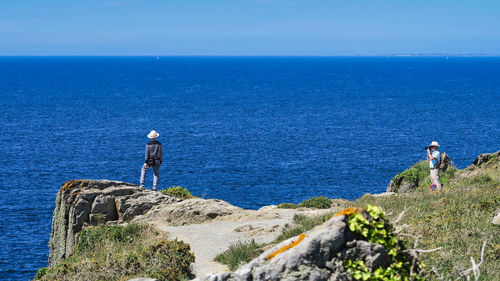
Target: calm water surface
<point>252,131</point>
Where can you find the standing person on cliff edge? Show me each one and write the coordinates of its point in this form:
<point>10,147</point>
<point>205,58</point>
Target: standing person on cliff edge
<point>154,154</point>
<point>434,157</point>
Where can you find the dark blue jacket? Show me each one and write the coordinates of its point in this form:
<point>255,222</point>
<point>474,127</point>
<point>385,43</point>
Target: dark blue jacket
<point>154,150</point>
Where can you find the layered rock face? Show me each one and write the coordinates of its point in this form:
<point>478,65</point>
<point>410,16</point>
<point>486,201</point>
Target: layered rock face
<point>89,202</point>
<point>319,255</point>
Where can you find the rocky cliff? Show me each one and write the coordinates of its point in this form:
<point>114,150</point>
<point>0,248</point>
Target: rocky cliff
<point>89,202</point>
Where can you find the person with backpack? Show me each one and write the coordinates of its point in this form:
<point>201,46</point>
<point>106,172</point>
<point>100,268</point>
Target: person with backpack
<point>153,158</point>
<point>434,157</point>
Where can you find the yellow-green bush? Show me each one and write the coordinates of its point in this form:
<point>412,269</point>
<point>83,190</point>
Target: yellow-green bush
<point>178,192</point>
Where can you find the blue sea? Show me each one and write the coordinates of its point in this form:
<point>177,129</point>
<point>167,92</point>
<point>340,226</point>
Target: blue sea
<point>249,130</point>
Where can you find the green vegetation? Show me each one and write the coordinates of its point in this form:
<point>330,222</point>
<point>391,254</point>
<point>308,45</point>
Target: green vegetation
<point>40,273</point>
<point>457,219</point>
<point>373,227</point>
<point>417,177</point>
<point>288,206</point>
<point>414,175</point>
<point>319,202</point>
<point>239,253</point>
<point>178,192</point>
<point>121,253</point>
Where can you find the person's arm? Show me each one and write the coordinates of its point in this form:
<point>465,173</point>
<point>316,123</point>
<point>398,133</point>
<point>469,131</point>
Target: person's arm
<point>161,152</point>
<point>429,155</point>
<point>146,156</point>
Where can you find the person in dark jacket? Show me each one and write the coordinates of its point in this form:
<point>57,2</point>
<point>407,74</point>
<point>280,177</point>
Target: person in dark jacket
<point>154,154</point>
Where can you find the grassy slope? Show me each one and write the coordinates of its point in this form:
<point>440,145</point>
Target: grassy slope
<point>459,219</point>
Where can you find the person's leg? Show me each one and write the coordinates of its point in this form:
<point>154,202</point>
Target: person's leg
<point>143,174</point>
<point>156,175</point>
<point>435,178</point>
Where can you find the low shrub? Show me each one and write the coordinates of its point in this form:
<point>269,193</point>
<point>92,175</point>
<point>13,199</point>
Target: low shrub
<point>178,192</point>
<point>371,226</point>
<point>40,273</point>
<point>172,260</point>
<point>319,202</point>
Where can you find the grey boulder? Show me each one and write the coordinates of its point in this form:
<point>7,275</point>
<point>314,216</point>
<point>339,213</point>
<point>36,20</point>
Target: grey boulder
<point>496,219</point>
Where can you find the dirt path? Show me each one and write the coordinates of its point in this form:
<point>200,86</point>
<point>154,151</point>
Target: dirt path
<point>209,239</point>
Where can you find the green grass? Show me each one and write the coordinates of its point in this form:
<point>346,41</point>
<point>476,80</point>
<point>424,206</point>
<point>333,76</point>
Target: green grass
<point>319,202</point>
<point>121,253</point>
<point>457,220</point>
<point>239,253</point>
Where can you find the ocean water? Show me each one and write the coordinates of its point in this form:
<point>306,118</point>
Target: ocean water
<point>250,130</point>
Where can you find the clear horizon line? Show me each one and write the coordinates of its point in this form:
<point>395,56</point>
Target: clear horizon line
<point>262,55</point>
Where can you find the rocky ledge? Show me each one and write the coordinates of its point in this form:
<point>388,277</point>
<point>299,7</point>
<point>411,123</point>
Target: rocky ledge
<point>90,202</point>
<point>80,203</point>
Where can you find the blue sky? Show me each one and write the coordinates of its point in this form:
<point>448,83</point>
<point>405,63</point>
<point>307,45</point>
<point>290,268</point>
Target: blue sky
<point>248,27</point>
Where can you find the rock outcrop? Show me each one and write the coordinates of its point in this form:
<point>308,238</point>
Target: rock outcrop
<point>190,211</point>
<point>317,255</point>
<point>409,179</point>
<point>487,159</point>
<point>496,219</point>
<point>89,202</point>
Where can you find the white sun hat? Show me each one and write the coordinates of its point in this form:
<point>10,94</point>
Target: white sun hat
<point>434,143</point>
<point>153,134</point>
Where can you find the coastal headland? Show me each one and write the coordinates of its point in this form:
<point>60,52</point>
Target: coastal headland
<point>111,230</point>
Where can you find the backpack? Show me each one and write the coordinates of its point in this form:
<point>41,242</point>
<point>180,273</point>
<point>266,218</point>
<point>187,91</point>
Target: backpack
<point>444,161</point>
